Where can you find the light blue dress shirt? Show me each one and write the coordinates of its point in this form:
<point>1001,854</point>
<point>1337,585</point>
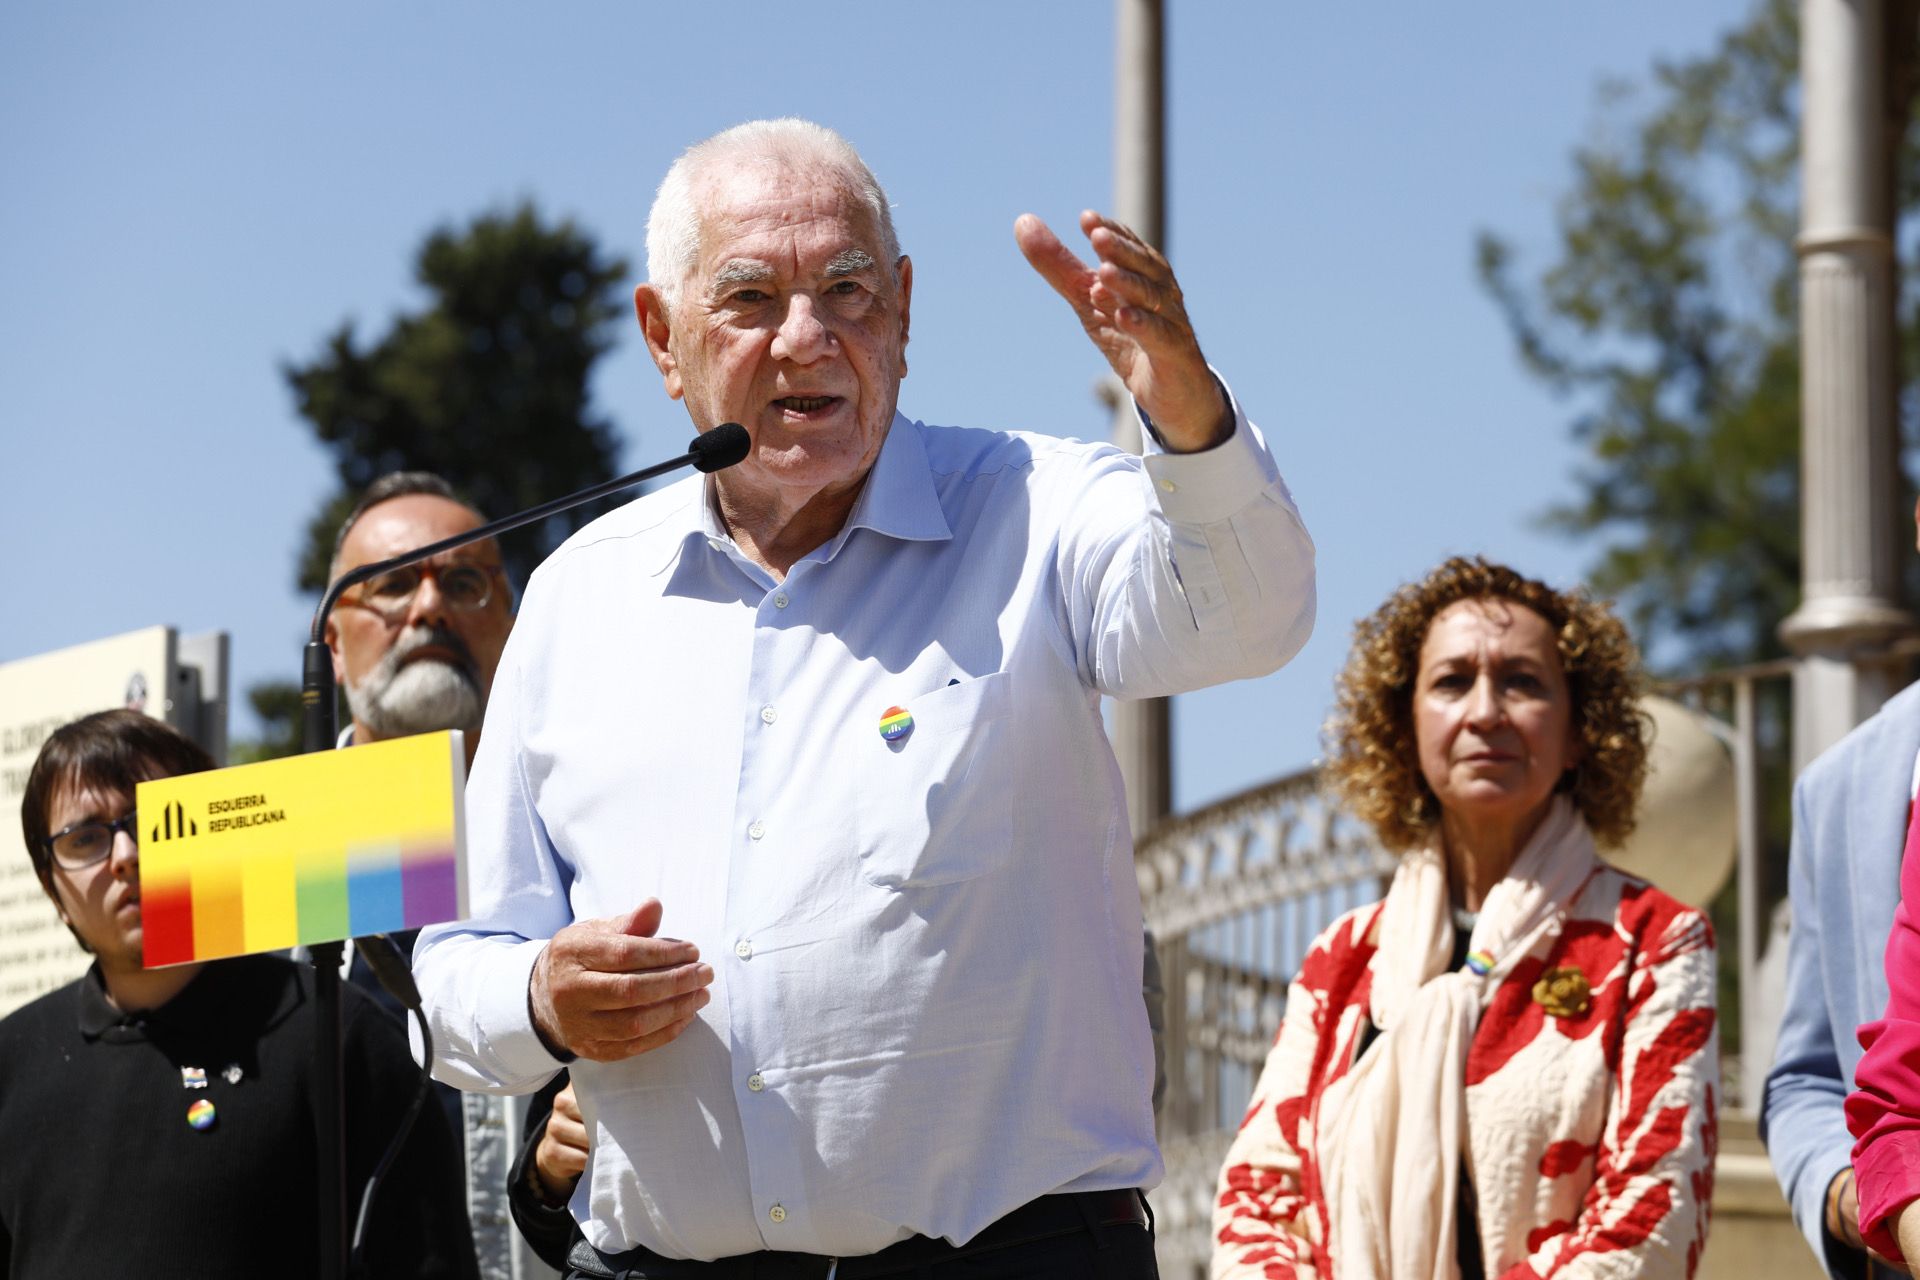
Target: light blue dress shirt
<point>927,1009</point>
<point>1843,879</point>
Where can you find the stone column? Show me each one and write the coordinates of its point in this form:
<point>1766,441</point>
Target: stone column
<point>1142,730</point>
<point>1850,540</point>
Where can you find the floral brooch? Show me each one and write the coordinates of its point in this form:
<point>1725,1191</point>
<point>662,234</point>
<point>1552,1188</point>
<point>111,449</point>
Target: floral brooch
<point>1563,992</point>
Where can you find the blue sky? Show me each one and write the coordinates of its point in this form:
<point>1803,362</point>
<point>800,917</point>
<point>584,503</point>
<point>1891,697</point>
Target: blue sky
<point>197,192</point>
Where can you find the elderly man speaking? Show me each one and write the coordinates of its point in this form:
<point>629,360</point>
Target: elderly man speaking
<point>795,828</point>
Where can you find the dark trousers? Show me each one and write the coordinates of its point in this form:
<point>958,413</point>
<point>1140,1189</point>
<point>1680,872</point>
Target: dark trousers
<point>1096,1235</point>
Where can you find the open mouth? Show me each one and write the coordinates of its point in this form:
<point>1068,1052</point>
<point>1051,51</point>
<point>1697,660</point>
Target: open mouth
<point>805,405</point>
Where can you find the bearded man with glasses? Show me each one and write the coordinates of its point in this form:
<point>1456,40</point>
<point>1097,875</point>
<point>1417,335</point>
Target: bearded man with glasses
<point>416,649</point>
<point>160,1120</point>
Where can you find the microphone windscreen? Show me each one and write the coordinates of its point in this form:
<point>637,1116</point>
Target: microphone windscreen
<point>720,448</point>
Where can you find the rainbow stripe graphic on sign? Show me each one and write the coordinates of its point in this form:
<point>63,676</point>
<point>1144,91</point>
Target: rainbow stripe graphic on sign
<point>310,849</point>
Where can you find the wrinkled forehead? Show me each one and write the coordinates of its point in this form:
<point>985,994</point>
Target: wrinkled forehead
<point>777,213</point>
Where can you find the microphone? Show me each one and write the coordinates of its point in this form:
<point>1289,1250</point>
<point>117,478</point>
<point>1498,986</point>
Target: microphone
<point>720,448</point>
<point>724,446</point>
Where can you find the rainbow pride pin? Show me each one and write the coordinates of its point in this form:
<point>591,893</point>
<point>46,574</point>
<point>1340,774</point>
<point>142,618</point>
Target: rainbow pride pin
<point>896,723</point>
<point>1480,962</point>
<point>201,1115</point>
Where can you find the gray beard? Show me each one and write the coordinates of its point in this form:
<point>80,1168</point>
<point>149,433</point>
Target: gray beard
<point>422,697</point>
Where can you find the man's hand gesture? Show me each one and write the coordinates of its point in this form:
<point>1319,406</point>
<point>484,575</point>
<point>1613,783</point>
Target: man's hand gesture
<point>608,989</point>
<point>561,1156</point>
<point>1131,306</point>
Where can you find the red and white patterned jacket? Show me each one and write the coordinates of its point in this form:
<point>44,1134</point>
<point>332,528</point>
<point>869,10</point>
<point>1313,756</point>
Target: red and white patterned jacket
<point>1591,1132</point>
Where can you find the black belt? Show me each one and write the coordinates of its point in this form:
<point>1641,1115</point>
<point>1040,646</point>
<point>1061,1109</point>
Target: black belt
<point>1042,1219</point>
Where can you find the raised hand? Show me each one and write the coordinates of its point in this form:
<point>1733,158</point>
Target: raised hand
<point>1131,307</point>
<point>608,989</point>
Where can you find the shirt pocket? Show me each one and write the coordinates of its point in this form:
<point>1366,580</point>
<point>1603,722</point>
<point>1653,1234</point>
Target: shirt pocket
<point>937,807</point>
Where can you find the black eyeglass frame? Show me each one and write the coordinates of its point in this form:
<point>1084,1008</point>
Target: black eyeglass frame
<point>128,822</point>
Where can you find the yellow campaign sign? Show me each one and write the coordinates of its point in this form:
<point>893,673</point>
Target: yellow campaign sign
<point>313,848</point>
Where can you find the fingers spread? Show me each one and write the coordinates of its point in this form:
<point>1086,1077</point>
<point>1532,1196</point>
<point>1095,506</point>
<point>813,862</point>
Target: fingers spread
<point>1136,290</point>
<point>1115,244</point>
<point>1137,317</point>
<point>1056,263</point>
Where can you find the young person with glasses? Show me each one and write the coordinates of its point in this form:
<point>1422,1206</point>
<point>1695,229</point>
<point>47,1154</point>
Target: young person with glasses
<point>162,1119</point>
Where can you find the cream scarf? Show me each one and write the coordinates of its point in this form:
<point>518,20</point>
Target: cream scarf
<point>1391,1131</point>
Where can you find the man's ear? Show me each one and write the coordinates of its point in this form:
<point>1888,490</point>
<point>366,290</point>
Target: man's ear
<point>903,271</point>
<point>656,327</point>
<point>333,647</point>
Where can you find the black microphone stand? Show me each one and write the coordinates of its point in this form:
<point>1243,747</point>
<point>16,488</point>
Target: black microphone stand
<point>714,450</point>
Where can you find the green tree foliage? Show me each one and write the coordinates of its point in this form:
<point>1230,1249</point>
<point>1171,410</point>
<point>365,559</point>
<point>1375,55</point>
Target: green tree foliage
<point>486,384</point>
<point>1669,316</point>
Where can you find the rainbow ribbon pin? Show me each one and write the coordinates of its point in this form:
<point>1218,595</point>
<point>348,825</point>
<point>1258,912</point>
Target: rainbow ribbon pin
<point>1480,962</point>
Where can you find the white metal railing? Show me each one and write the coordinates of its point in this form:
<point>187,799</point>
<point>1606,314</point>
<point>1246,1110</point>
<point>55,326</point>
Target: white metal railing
<point>1233,894</point>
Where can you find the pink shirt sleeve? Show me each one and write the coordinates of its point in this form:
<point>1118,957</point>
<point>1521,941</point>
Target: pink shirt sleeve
<point>1883,1112</point>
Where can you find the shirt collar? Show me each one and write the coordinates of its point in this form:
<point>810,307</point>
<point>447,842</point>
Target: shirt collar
<point>94,1011</point>
<point>245,989</point>
<point>899,501</point>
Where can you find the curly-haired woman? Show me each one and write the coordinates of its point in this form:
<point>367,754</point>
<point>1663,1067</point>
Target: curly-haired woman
<point>1508,1066</point>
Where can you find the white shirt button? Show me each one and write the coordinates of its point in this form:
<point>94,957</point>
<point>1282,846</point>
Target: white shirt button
<point>757,830</point>
<point>743,948</point>
<point>778,1213</point>
<point>768,715</point>
<point>755,1082</point>
<point>780,600</point>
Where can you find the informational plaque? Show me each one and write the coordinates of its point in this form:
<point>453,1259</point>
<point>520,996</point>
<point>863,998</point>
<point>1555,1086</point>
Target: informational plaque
<point>141,670</point>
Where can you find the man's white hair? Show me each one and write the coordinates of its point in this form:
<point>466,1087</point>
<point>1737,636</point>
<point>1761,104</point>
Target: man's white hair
<point>673,225</point>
